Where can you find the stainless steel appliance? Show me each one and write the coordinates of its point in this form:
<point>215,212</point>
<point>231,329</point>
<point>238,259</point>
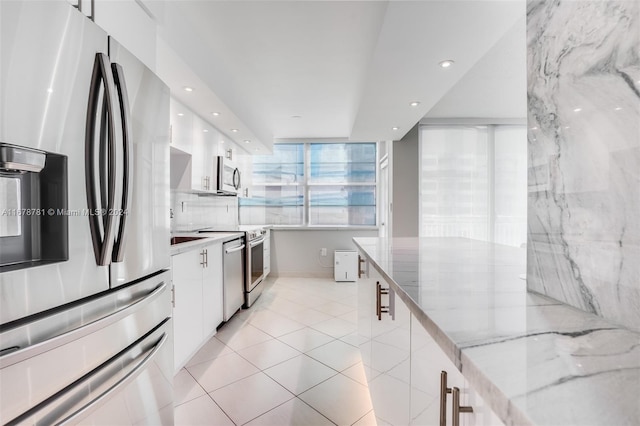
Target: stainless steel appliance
<point>254,265</point>
<point>233,282</point>
<point>100,320</point>
<point>227,174</point>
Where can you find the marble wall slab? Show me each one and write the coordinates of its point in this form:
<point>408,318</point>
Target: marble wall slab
<point>583,61</point>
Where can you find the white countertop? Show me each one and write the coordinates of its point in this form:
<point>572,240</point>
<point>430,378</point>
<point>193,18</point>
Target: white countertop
<point>532,359</point>
<point>204,239</point>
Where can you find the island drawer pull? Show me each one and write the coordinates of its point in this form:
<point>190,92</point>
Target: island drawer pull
<point>444,390</point>
<point>380,308</point>
<point>457,408</point>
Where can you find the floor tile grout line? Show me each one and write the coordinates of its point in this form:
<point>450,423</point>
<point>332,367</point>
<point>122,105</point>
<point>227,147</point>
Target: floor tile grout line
<point>245,322</point>
<point>363,416</point>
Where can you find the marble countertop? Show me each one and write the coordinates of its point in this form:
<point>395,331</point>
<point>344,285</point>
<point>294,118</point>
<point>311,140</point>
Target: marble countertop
<point>534,360</point>
<point>203,240</point>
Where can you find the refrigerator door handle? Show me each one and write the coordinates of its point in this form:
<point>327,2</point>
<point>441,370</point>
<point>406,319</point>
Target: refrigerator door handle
<point>101,218</point>
<point>127,176</point>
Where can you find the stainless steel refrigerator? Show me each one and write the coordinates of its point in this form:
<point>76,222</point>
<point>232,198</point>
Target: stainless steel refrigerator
<point>85,299</point>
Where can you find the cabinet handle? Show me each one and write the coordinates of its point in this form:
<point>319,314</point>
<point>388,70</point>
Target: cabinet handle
<point>206,258</point>
<point>444,390</point>
<point>360,271</point>
<point>457,408</point>
<point>202,262</point>
<point>380,308</point>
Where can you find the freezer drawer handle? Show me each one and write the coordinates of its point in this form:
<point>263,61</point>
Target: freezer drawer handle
<point>235,249</point>
<point>29,351</point>
<point>78,389</point>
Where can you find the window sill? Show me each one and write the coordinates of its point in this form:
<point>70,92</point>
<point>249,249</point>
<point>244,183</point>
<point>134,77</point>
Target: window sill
<point>323,228</point>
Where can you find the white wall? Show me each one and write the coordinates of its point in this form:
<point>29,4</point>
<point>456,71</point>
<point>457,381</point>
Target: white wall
<point>406,188</point>
<point>297,252</point>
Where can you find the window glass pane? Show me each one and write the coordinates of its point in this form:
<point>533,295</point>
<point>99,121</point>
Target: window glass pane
<point>454,190</point>
<point>277,205</point>
<point>335,163</point>
<point>278,180</point>
<point>455,185</point>
<point>511,185</point>
<point>285,165</point>
<point>345,205</point>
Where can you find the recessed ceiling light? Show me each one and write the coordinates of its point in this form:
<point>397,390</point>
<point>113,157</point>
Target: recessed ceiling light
<point>206,130</point>
<point>394,128</point>
<point>618,108</point>
<point>296,116</point>
<point>414,103</point>
<point>257,149</point>
<point>180,114</point>
<point>247,141</point>
<point>188,89</point>
<point>446,63</point>
<point>577,109</point>
<point>215,114</point>
<point>221,141</point>
<point>534,128</point>
<point>234,130</point>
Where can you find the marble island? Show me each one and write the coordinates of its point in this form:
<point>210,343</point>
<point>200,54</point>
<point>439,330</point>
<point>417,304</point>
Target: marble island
<point>534,360</point>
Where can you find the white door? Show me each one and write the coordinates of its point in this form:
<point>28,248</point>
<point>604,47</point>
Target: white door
<point>384,209</point>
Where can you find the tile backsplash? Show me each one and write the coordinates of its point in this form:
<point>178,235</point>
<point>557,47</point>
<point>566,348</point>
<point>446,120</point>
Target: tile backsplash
<point>192,211</point>
<point>584,155</point>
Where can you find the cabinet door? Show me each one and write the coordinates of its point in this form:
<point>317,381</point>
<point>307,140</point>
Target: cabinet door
<point>482,414</point>
<point>245,165</point>
<point>186,272</point>
<point>390,356</point>
<point>198,173</point>
<point>212,303</point>
<point>181,127</point>
<point>427,363</point>
<point>366,311</point>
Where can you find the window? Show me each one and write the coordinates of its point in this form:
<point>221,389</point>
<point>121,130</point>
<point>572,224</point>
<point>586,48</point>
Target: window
<point>317,184</point>
<point>473,182</point>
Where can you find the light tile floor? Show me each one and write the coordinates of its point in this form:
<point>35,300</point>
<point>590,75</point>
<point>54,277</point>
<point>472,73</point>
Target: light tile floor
<point>292,359</point>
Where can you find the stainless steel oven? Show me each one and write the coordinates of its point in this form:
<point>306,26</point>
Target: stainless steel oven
<point>255,266</point>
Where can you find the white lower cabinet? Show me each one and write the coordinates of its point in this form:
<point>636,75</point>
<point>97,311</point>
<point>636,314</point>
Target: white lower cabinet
<point>198,303</point>
<point>212,291</point>
<point>404,365</point>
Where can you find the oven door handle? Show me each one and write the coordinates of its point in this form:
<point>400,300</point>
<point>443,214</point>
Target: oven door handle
<point>255,243</point>
<point>235,249</point>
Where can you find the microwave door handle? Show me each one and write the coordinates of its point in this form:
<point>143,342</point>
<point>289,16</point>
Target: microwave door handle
<point>236,178</point>
<point>127,176</point>
<point>102,236</point>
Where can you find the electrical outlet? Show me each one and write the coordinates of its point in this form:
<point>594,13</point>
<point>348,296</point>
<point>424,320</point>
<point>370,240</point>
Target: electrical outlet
<point>323,251</point>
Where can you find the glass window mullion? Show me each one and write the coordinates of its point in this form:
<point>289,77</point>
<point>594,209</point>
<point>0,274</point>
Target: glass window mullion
<point>307,193</point>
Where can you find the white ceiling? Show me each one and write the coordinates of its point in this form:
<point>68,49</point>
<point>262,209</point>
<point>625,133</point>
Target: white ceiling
<point>349,69</point>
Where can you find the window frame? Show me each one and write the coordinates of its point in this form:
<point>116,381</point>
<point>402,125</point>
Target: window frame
<point>308,185</point>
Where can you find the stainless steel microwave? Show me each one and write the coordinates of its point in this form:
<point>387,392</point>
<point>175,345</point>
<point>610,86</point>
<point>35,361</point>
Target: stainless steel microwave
<point>227,175</point>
